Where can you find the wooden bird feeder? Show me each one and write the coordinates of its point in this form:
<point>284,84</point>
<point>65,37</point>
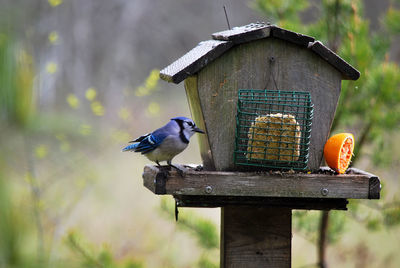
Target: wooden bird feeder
<point>257,202</point>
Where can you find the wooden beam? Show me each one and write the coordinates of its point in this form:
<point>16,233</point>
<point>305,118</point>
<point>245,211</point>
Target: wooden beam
<point>348,71</point>
<point>202,201</point>
<point>256,237</point>
<point>196,110</point>
<point>293,37</point>
<point>261,184</point>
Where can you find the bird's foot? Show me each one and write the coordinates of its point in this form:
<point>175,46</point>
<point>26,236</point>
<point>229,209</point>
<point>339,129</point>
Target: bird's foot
<point>180,171</point>
<point>164,170</point>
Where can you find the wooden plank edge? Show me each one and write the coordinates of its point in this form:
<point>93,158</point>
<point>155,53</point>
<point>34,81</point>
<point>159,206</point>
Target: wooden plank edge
<point>243,37</point>
<point>157,181</point>
<point>196,110</point>
<point>293,203</point>
<point>290,36</point>
<point>348,71</point>
<point>374,182</point>
<point>154,180</point>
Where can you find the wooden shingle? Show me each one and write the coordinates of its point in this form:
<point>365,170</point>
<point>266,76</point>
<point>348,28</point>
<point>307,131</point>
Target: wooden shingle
<point>194,60</point>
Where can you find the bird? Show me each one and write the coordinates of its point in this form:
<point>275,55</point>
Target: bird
<point>166,142</point>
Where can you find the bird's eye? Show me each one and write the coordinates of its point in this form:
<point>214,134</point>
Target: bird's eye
<point>190,124</point>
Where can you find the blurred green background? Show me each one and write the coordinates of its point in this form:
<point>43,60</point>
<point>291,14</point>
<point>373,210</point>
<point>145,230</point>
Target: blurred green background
<point>78,79</point>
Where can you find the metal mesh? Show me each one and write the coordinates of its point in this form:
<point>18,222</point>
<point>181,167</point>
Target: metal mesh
<point>273,129</point>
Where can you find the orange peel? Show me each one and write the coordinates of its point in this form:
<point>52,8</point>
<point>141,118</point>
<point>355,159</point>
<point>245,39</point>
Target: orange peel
<point>338,151</point>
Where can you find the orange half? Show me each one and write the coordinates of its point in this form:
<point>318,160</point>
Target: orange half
<point>338,151</point>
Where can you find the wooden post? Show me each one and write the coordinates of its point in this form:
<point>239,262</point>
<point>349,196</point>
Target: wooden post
<point>255,237</point>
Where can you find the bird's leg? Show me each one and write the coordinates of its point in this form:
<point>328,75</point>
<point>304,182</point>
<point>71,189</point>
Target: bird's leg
<point>180,171</point>
<point>163,169</point>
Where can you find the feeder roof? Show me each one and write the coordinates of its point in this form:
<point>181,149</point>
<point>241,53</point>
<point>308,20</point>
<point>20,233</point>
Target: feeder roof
<point>207,51</point>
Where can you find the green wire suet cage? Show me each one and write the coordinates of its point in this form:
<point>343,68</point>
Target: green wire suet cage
<point>273,129</point>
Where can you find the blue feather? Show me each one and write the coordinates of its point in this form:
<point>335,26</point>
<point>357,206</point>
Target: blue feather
<point>130,147</point>
<point>147,143</point>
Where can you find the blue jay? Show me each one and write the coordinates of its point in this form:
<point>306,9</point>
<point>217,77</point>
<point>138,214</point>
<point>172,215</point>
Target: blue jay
<point>166,142</point>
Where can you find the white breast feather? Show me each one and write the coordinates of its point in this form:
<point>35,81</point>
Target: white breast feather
<point>169,148</point>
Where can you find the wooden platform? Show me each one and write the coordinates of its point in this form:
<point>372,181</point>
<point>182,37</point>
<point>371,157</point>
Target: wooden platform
<point>322,190</point>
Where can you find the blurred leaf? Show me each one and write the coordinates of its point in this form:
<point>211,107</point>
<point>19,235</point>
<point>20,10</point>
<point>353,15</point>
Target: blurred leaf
<point>392,20</point>
<point>55,3</point>
<point>15,230</point>
<point>204,230</point>
<point>121,136</point>
<point>97,108</point>
<point>41,151</point>
<point>73,240</point>
<point>53,37</point>
<point>152,79</point>
<point>281,11</point>
<point>65,146</point>
<point>124,113</point>
<point>205,262</point>
<point>392,216</point>
<point>374,224</point>
<point>17,96</point>
<point>91,94</point>
<point>85,129</point>
<point>73,101</point>
<point>337,223</point>
<point>103,259</point>
<point>51,67</point>
<point>150,84</point>
<point>26,101</point>
<point>306,222</point>
<point>153,109</point>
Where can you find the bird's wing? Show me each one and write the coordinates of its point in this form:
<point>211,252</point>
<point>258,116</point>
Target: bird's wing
<point>147,143</point>
<point>140,138</point>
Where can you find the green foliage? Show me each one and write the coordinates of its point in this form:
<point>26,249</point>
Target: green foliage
<point>204,230</point>
<point>392,216</point>
<point>307,223</point>
<point>392,20</point>
<point>17,97</point>
<point>285,12</point>
<point>150,85</point>
<point>101,259</point>
<point>15,232</point>
<point>337,224</point>
<point>205,262</point>
<point>374,224</point>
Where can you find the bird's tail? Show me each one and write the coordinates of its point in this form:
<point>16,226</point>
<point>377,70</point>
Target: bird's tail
<point>130,147</point>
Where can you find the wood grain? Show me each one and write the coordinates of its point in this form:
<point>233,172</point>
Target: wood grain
<point>298,185</point>
<point>197,115</point>
<point>256,237</point>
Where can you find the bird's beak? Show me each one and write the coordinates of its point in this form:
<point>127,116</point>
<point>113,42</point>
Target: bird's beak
<point>196,129</point>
